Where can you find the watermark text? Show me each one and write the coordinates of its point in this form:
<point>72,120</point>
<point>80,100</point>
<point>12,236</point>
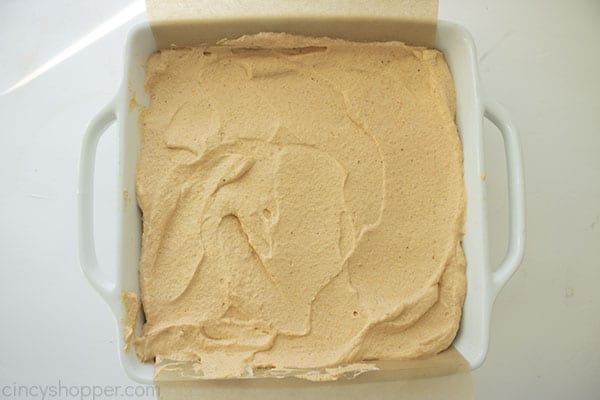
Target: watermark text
<point>61,390</point>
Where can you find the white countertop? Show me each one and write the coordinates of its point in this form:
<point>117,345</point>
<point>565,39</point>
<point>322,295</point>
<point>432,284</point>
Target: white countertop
<point>540,59</point>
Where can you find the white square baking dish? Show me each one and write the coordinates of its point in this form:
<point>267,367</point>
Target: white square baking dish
<point>483,281</point>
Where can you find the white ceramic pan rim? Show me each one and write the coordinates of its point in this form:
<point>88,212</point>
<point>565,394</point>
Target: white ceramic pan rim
<point>483,281</point>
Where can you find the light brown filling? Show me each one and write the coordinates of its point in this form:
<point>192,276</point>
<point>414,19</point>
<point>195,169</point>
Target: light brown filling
<point>303,204</point>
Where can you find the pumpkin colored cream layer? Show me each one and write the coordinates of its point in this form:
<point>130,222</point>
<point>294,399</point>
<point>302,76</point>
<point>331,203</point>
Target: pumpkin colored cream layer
<point>303,204</point>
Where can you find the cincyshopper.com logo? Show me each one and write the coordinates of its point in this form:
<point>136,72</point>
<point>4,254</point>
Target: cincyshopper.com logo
<point>81,392</point>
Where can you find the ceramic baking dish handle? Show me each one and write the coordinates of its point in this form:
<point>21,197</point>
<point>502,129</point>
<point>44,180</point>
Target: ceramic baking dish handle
<point>516,194</point>
<point>87,248</point>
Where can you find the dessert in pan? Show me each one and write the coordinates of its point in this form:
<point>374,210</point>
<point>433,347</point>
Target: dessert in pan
<point>303,204</point>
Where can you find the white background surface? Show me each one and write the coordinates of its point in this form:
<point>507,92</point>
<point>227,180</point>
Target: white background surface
<point>541,59</point>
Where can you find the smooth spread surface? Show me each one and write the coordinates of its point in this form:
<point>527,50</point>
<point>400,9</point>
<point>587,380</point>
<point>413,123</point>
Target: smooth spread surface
<point>303,205</point>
